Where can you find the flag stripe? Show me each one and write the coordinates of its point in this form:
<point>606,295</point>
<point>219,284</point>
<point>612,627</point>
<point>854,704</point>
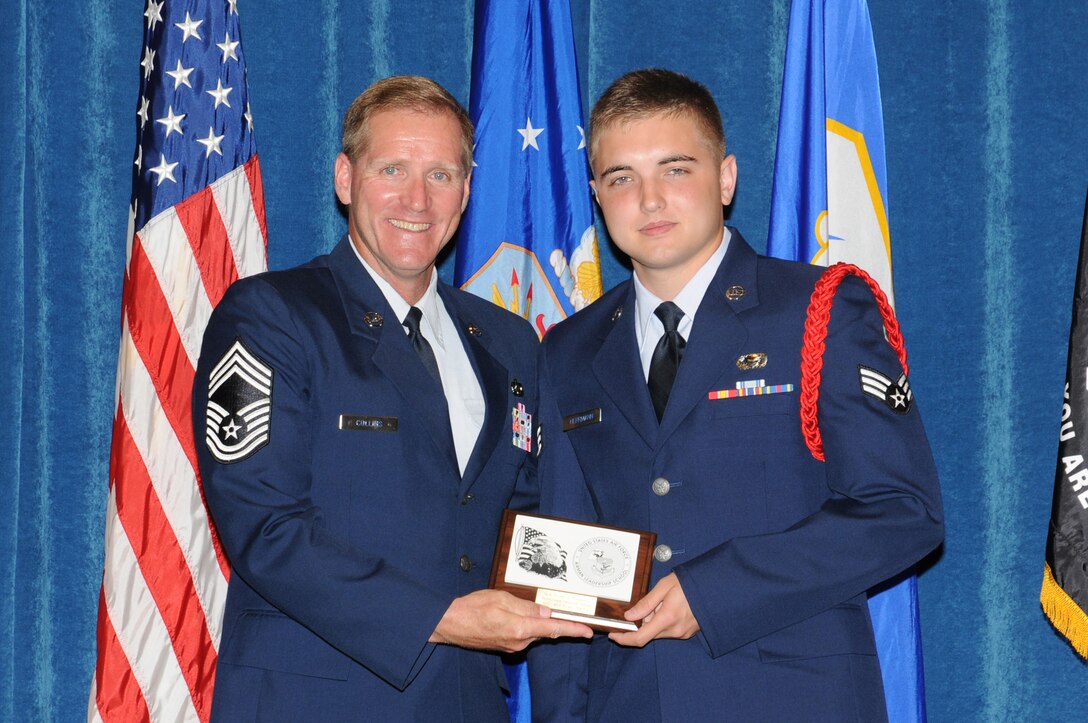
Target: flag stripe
<point>173,266</point>
<point>151,326</point>
<point>176,485</point>
<point>142,635</point>
<point>164,567</point>
<point>207,235</point>
<point>256,194</point>
<point>122,693</point>
<point>234,199</point>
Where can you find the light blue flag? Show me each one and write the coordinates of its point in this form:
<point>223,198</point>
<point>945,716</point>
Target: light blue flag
<point>828,205</point>
<point>527,241</point>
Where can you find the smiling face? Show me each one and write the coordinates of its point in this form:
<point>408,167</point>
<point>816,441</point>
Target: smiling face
<point>661,186</point>
<point>405,194</point>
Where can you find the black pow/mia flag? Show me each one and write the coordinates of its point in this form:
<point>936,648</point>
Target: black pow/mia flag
<point>1065,578</point>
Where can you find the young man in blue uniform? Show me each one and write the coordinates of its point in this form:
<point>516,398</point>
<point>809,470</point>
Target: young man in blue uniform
<point>356,416</point>
<point>691,371</point>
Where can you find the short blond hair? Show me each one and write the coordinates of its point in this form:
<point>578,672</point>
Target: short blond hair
<point>403,92</point>
<point>643,93</point>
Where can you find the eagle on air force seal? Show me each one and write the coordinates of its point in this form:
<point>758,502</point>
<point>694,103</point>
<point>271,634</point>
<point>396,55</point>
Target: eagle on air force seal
<point>239,405</point>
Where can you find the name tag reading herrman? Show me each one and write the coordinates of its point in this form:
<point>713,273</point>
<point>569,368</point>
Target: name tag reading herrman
<point>584,572</point>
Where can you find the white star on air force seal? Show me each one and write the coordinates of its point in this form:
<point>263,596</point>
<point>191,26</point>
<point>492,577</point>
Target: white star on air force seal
<point>529,134</point>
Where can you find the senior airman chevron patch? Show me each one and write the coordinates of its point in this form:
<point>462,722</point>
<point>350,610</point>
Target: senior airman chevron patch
<point>897,395</point>
<point>239,405</point>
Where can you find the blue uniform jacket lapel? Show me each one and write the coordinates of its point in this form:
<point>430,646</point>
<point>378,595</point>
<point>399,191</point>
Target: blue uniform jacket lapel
<point>717,336</point>
<point>390,349</point>
<point>492,375</point>
<point>619,371</point>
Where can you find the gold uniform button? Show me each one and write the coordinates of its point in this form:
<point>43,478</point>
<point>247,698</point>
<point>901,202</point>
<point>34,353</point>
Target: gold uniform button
<point>466,563</point>
<point>662,553</point>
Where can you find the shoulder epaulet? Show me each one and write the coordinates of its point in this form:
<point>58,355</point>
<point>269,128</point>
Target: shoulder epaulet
<point>812,349</point>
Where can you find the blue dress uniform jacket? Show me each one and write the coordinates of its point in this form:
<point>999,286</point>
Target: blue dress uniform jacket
<point>774,550</point>
<point>346,521</point>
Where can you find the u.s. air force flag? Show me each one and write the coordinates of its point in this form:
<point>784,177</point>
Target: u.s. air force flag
<point>828,205</point>
<point>827,201</point>
<point>527,240</point>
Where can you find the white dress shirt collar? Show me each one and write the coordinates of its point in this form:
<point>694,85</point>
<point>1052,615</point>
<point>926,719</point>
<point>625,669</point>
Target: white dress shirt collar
<point>648,328</point>
<point>464,395</point>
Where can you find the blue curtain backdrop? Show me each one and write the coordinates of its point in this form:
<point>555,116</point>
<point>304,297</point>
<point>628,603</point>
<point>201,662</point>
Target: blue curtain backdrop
<point>986,115</point>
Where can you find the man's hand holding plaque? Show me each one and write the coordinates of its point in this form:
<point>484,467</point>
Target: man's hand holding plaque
<point>584,572</point>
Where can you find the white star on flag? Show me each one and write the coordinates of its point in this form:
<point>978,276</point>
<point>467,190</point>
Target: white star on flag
<point>164,171</point>
<point>172,122</point>
<point>189,28</point>
<point>153,13</point>
<point>248,116</point>
<point>142,113</point>
<point>148,62</point>
<point>180,75</point>
<point>211,143</point>
<point>529,134</point>
<point>139,158</point>
<point>220,94</point>
<point>582,133</point>
<point>228,47</point>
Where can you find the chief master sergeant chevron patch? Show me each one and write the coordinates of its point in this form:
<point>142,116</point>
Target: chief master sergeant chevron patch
<point>239,405</point>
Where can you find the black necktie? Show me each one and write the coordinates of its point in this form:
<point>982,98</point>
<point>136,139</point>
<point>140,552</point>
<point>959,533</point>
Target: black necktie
<point>426,354</point>
<point>666,358</point>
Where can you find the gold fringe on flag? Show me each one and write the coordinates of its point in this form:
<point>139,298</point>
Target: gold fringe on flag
<point>1064,614</point>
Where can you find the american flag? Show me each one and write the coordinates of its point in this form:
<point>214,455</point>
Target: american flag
<point>196,224</point>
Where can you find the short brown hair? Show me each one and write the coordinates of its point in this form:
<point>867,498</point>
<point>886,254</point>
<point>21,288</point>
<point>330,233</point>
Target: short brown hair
<point>643,93</point>
<point>403,92</point>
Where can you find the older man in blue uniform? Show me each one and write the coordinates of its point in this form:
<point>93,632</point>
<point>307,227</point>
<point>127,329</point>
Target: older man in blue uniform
<point>358,452</point>
<point>691,372</point>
